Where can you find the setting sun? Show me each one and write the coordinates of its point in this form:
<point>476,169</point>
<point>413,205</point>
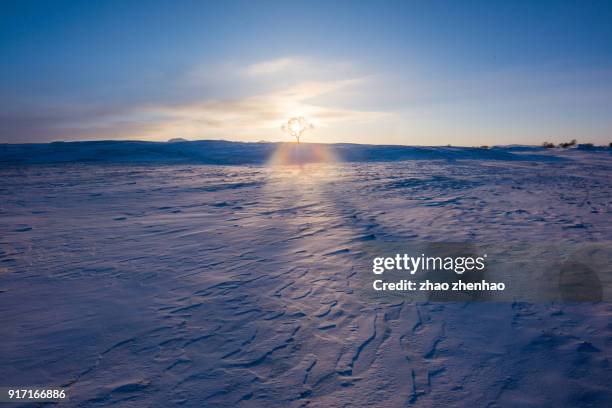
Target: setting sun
<point>296,127</point>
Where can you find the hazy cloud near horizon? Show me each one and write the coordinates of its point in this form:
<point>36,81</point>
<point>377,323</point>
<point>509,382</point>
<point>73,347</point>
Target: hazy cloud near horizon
<point>258,115</point>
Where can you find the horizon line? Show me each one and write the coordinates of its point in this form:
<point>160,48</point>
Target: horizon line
<point>181,140</point>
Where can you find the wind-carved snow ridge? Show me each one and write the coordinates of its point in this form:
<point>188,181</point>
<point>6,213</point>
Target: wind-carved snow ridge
<point>235,286</point>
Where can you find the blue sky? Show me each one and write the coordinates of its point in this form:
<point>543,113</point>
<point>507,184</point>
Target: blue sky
<point>423,73</point>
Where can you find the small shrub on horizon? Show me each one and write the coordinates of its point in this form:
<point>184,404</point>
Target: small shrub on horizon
<point>568,144</point>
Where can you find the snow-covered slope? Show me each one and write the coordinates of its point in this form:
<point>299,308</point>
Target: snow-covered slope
<point>222,152</point>
<point>239,286</point>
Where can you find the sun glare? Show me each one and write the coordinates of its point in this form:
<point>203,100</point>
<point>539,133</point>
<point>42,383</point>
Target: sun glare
<point>296,127</point>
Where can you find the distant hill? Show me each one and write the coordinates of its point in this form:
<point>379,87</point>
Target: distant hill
<point>230,153</point>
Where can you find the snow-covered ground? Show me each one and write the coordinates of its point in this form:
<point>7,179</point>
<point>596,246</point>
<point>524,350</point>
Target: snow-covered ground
<point>215,285</point>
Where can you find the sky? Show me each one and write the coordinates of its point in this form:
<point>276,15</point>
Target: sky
<point>381,72</point>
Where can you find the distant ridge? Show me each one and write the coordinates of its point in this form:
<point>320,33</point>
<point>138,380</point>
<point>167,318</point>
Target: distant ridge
<point>235,153</point>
